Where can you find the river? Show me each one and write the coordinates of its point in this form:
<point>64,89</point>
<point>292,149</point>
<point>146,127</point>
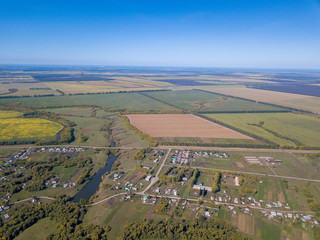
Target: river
<point>93,185</point>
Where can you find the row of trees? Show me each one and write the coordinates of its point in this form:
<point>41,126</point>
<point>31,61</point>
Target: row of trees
<point>216,182</point>
<point>201,228</point>
<point>194,178</point>
<point>152,142</point>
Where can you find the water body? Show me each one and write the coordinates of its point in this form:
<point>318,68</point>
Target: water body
<point>93,185</point>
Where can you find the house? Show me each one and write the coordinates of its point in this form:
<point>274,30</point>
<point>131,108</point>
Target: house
<point>145,199</point>
<point>148,178</point>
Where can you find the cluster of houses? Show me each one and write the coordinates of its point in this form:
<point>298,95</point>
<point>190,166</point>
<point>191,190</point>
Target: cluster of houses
<point>249,201</point>
<point>180,158</point>
<point>23,154</point>
<point>157,155</point>
<point>277,216</point>
<point>211,154</point>
<point>148,200</point>
<point>117,176</point>
<point>53,182</point>
<point>69,185</point>
<point>167,191</point>
<point>262,160</point>
<point>5,209</point>
<point>61,150</point>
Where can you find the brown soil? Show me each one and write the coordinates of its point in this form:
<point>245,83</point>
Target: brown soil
<point>240,164</point>
<point>181,125</point>
<point>281,197</point>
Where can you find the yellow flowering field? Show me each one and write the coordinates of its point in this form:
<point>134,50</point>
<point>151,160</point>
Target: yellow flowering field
<point>14,128</point>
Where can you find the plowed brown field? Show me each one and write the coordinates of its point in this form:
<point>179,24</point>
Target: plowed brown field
<point>181,125</point>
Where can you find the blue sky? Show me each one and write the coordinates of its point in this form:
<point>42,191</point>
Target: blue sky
<point>215,33</point>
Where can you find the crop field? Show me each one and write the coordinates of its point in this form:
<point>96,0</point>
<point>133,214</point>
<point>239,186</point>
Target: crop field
<point>132,101</point>
<point>296,89</point>
<point>297,101</point>
<point>305,129</point>
<point>181,125</point>
<point>74,87</point>
<point>193,100</point>
<point>14,128</point>
<point>75,111</point>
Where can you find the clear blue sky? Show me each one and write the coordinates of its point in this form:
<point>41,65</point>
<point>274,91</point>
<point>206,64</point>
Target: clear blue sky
<point>213,33</point>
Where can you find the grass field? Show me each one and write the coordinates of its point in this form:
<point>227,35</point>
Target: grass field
<point>308,103</point>
<point>89,127</point>
<point>181,125</point>
<point>121,214</point>
<point>270,231</point>
<point>193,100</point>
<point>39,231</point>
<point>14,128</point>
<point>64,172</point>
<point>133,101</point>
<point>305,129</point>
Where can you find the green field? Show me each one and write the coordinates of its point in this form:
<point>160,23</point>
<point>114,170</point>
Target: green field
<point>12,127</point>
<point>39,231</point>
<point>117,216</point>
<point>132,101</point>
<point>64,172</point>
<point>75,111</point>
<point>193,100</point>
<point>305,129</point>
<point>270,231</point>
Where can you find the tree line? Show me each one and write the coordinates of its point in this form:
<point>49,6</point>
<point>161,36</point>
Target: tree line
<point>201,228</point>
